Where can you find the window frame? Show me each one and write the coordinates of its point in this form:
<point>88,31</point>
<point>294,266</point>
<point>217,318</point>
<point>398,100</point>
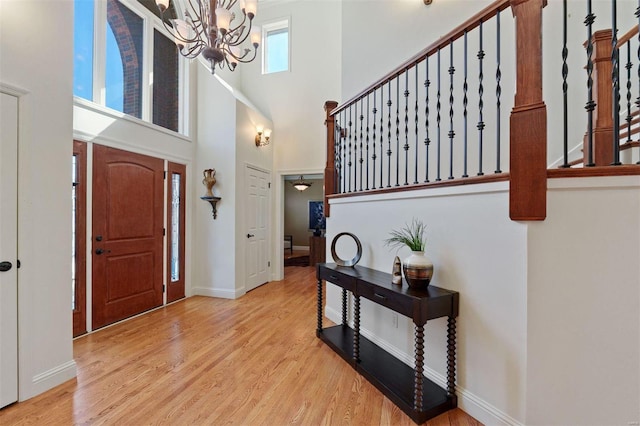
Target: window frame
<point>277,25</point>
<point>150,23</point>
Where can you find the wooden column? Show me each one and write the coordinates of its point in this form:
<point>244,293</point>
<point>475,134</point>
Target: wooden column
<point>528,133</point>
<point>330,167</point>
<point>602,96</point>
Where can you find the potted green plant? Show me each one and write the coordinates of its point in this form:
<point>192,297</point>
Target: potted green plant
<point>417,268</point>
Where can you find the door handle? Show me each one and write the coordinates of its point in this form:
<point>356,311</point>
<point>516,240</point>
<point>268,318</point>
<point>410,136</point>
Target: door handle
<point>100,251</point>
<point>5,266</point>
<point>250,235</point>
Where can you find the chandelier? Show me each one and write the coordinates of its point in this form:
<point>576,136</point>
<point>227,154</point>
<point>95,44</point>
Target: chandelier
<point>212,29</point>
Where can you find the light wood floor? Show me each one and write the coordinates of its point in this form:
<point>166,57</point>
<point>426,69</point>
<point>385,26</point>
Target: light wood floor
<point>206,361</point>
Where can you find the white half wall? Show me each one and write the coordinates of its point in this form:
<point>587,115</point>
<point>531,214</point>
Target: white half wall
<point>583,305</point>
<point>477,251</point>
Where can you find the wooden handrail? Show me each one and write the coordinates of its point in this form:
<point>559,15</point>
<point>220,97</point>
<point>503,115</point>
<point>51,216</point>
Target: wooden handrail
<point>471,23</point>
<point>628,36</point>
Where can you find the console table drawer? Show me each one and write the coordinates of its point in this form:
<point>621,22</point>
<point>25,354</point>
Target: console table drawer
<point>386,298</point>
<point>345,281</point>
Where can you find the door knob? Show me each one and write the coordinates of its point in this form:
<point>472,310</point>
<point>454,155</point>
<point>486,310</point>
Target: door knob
<point>5,266</point>
<point>100,251</point>
<point>250,235</point>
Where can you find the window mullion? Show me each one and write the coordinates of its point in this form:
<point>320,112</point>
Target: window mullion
<point>100,50</point>
<point>147,71</point>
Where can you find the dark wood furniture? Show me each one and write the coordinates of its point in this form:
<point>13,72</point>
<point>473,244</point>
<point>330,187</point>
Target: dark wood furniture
<point>420,398</point>
<point>288,239</point>
<point>317,250</point>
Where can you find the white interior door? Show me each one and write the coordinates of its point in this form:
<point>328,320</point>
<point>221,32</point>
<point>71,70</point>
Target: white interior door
<point>8,249</point>
<point>257,226</point>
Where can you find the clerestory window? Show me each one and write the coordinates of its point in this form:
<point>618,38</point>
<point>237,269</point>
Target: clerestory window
<point>275,47</point>
<point>125,60</point>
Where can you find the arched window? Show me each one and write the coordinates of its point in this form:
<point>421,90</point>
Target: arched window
<point>134,67</point>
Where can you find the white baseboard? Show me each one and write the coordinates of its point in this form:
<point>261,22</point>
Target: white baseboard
<point>216,292</point>
<point>51,378</point>
<point>470,403</point>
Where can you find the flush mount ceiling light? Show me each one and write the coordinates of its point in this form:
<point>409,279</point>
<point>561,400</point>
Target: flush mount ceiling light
<point>214,29</point>
<point>301,184</point>
<point>428,2</point>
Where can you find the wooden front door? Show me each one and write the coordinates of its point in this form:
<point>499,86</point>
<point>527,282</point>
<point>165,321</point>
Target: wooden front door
<point>127,234</point>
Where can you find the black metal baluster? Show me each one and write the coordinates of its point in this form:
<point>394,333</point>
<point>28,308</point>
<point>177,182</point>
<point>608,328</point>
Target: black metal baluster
<point>498,93</point>
<point>367,186</point>
<point>615,80</point>
<point>344,153</point>
<point>361,143</point>
<point>465,102</point>
<point>480,102</point>
<point>397,131</point>
<point>389,103</point>
<point>350,142</point>
<point>355,146</point>
<point>565,87</point>
<point>427,140</point>
<point>452,134</point>
<point>591,105</point>
<point>438,106</point>
<point>337,156</point>
<point>628,66</point>
<point>415,178</point>
<point>381,134</point>
<point>374,156</point>
<point>406,127</point>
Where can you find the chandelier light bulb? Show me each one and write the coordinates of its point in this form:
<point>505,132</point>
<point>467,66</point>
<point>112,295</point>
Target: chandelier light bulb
<point>162,5</point>
<point>251,8</point>
<point>223,19</point>
<point>256,35</point>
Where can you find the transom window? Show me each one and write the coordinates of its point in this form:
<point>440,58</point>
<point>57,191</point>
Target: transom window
<point>125,60</point>
<point>275,47</point>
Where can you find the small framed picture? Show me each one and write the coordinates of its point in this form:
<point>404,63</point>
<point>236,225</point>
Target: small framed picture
<point>316,216</point>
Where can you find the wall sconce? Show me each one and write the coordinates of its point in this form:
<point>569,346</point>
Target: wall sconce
<point>267,135</point>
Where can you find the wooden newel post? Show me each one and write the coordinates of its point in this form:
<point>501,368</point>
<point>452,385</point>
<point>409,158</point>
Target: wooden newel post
<point>528,133</point>
<point>330,167</point>
<point>603,97</point>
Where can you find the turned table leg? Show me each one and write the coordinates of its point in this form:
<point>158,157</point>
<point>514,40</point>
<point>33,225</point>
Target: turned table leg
<point>319,329</point>
<point>419,377</point>
<point>344,306</point>
<point>451,356</point>
<point>356,328</point>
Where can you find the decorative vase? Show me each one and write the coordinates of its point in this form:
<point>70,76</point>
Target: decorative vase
<point>418,270</point>
<point>209,180</point>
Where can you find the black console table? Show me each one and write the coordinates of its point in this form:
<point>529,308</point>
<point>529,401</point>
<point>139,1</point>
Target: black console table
<point>417,396</point>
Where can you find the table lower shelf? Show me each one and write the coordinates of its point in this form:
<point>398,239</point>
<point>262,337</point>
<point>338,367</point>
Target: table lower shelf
<point>391,376</point>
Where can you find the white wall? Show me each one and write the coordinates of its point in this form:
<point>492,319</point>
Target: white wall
<point>43,67</point>
<point>294,99</point>
<point>477,251</point>
<point>583,305</point>
<point>225,142</point>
